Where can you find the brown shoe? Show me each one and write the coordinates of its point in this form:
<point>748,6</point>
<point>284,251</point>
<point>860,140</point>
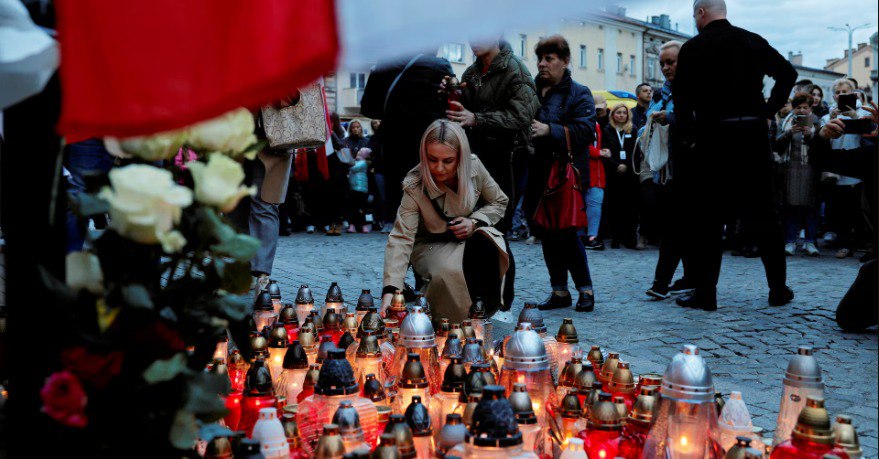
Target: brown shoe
<point>642,243</point>
<point>843,253</point>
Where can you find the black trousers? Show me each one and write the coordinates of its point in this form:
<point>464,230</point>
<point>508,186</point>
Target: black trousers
<point>621,199</point>
<point>857,310</point>
<point>563,252</point>
<point>501,171</point>
<point>649,221</point>
<point>671,231</point>
<point>731,171</point>
<point>481,271</point>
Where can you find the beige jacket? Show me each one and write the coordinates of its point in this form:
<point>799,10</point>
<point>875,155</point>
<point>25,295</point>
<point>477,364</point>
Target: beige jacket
<point>440,262</point>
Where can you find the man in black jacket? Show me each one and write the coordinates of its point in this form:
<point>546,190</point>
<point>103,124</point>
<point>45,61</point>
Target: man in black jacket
<point>730,167</point>
<point>411,106</point>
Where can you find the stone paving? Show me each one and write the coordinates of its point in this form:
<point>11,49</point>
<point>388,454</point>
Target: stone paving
<point>746,342</point>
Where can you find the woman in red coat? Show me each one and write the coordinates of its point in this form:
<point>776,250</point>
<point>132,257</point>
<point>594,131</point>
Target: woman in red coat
<point>594,196</point>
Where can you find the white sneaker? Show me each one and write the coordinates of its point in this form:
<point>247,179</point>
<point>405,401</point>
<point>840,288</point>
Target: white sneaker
<point>309,229</point>
<point>387,228</point>
<point>531,240</point>
<point>790,248</point>
<point>811,250</point>
<point>829,236</point>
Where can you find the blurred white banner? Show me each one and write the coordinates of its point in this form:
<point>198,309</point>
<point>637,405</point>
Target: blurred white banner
<point>28,56</point>
<point>378,29</point>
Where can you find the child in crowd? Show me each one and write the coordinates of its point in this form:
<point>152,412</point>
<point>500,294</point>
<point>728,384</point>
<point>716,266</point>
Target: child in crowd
<point>359,197</point>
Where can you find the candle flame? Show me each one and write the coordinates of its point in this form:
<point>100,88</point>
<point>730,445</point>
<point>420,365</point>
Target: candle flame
<point>684,441</point>
<point>602,454</point>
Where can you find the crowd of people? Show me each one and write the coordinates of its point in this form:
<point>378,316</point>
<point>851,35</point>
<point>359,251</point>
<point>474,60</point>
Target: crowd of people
<point>741,172</point>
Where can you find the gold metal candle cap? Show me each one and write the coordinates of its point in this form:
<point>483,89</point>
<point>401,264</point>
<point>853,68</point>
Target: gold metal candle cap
<point>372,321</point>
<point>620,403</point>
<point>330,443</point>
<point>307,339</point>
<point>595,356</point>
<point>604,415</point>
<point>642,411</point>
<point>413,375</point>
<point>738,450</point>
<point>288,315</point>
<point>316,319</point>
<point>623,381</point>
<point>403,435</point>
<point>522,406</point>
<point>568,376</point>
<point>369,346</point>
<point>570,406</point>
<point>312,375</point>
<point>584,379</point>
<point>467,327</point>
<point>813,424</point>
<point>350,323</point>
<point>398,301</point>
<point>567,332</point>
<point>610,366</point>
<point>258,344</point>
<point>279,337</point>
<point>846,437</point>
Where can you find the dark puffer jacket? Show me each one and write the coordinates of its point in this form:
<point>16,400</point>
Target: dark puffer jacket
<point>504,101</point>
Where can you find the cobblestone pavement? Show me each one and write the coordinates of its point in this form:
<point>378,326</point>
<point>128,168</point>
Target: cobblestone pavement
<point>746,342</point>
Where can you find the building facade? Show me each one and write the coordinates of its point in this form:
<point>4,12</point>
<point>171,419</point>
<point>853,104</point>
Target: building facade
<point>862,65</point>
<point>658,31</point>
<point>609,51</point>
<point>820,77</point>
<point>874,74</point>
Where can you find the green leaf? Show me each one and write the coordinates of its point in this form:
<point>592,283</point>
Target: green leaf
<point>88,205</point>
<point>232,307</point>
<point>212,227</point>
<point>137,296</point>
<point>184,430</point>
<point>166,370</point>
<point>208,432</point>
<point>236,277</point>
<point>240,247</point>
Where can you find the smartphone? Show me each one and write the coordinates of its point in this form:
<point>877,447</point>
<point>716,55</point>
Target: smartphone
<point>801,120</point>
<point>858,126</point>
<point>847,102</point>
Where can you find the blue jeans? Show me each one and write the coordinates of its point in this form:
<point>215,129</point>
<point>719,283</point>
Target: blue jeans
<point>796,217</point>
<point>83,157</point>
<point>594,198</point>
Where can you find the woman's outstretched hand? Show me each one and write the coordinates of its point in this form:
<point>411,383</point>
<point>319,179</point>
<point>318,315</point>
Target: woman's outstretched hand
<point>386,303</point>
<point>462,228</point>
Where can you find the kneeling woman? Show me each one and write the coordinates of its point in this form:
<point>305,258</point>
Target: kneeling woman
<point>444,228</point>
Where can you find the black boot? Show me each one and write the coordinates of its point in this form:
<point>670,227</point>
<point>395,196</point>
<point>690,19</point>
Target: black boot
<point>694,301</point>
<point>586,301</point>
<point>780,296</point>
<point>555,302</point>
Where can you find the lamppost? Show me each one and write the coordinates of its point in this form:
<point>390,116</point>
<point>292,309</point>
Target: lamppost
<point>850,30</point>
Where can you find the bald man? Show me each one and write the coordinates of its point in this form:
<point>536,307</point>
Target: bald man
<point>723,117</point>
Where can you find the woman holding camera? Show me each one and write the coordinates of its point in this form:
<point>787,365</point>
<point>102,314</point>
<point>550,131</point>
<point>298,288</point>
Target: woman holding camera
<point>797,176</point>
<point>444,228</point>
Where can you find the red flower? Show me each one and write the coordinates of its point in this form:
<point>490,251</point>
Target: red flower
<point>64,399</point>
<point>95,370</point>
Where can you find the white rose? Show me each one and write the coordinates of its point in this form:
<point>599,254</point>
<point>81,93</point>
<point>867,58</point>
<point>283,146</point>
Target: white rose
<point>230,133</point>
<point>218,183</point>
<point>154,147</point>
<point>145,203</point>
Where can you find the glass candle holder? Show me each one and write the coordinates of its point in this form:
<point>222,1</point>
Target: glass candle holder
<point>802,379</point>
<point>364,302</point>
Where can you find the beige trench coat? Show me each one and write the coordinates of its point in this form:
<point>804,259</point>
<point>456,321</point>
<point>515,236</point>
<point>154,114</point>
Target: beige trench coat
<point>414,240</point>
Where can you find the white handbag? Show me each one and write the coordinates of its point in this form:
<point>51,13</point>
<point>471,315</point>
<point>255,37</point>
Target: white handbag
<point>654,144</point>
<point>300,125</point>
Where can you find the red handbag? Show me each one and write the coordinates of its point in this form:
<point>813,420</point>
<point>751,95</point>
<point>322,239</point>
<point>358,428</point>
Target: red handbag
<point>561,206</point>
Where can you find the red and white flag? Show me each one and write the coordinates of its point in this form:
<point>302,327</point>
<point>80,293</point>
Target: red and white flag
<point>138,67</point>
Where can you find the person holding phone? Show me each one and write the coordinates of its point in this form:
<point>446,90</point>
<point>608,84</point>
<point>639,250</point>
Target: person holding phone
<point>445,228</point>
<point>843,207</point>
<point>797,176</point>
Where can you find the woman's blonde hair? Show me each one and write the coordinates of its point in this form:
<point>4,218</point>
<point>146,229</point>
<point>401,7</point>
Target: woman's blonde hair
<point>627,127</point>
<point>452,135</point>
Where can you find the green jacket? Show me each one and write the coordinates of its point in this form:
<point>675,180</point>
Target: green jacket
<point>504,101</point>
